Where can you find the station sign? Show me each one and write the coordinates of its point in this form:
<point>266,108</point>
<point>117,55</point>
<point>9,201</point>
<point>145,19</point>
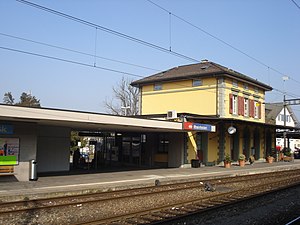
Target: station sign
<point>6,129</point>
<point>199,127</point>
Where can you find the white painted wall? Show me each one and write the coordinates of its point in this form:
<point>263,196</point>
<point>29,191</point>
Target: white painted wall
<point>280,120</point>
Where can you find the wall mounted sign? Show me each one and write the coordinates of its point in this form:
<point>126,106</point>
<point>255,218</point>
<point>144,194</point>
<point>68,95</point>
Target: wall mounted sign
<point>6,129</point>
<point>199,127</point>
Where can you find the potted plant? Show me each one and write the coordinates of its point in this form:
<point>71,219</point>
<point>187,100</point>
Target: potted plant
<point>242,159</point>
<point>270,159</point>
<point>227,161</point>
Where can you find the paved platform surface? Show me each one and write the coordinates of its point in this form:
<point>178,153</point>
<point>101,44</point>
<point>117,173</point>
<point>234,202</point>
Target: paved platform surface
<point>50,186</point>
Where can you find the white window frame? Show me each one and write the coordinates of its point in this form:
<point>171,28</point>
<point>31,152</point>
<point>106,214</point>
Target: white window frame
<point>234,104</point>
<point>246,107</point>
<point>256,108</point>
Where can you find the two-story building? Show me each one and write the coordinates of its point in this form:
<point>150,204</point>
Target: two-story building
<point>209,93</point>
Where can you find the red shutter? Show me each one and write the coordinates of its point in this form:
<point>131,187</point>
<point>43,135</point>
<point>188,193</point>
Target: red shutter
<point>230,103</point>
<point>251,108</point>
<point>239,105</point>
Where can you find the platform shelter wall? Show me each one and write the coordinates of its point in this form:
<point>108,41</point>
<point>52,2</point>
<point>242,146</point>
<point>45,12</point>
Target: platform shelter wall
<point>53,146</point>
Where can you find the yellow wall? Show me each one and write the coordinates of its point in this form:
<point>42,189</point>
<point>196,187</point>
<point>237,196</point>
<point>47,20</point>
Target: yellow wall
<point>182,97</point>
<point>201,100</point>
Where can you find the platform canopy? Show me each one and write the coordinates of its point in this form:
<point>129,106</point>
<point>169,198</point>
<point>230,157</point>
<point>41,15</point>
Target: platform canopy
<point>78,120</point>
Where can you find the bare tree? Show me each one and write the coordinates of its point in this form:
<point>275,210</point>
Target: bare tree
<point>125,100</point>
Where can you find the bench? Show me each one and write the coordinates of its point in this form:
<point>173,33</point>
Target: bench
<point>6,170</point>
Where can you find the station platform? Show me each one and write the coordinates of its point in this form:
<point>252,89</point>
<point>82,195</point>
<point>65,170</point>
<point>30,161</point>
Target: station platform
<point>65,185</point>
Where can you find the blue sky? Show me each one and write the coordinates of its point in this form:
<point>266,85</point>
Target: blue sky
<point>268,31</point>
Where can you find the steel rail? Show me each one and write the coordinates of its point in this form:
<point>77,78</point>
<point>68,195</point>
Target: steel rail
<point>201,204</point>
<point>38,205</point>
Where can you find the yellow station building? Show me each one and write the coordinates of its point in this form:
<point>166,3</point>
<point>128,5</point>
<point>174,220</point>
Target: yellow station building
<point>209,93</point>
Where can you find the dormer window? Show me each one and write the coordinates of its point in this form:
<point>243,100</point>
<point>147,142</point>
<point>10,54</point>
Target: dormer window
<point>157,87</point>
<point>197,82</point>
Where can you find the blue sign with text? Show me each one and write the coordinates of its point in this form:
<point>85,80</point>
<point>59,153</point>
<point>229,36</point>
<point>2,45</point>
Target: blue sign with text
<point>6,129</point>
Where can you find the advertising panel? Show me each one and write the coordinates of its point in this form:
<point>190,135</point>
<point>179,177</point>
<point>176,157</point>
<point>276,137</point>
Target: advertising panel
<point>9,151</point>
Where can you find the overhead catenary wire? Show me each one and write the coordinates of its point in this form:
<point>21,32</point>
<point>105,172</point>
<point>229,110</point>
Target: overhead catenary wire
<point>69,61</point>
<point>144,42</point>
<point>104,68</point>
<point>78,52</point>
<point>75,51</point>
<point>148,43</point>
<point>119,34</point>
<point>296,4</point>
<point>221,40</point>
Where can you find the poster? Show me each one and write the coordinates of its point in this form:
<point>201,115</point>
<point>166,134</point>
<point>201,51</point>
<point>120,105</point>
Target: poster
<point>9,151</point>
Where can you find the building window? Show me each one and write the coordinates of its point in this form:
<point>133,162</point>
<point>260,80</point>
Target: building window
<point>256,89</point>
<point>256,109</point>
<point>246,87</point>
<point>234,104</point>
<point>197,82</point>
<point>234,83</point>
<point>246,107</point>
<point>157,87</point>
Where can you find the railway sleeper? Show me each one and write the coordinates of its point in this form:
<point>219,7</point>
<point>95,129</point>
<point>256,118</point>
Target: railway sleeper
<point>163,215</point>
<point>150,217</point>
<point>137,221</point>
<point>175,213</point>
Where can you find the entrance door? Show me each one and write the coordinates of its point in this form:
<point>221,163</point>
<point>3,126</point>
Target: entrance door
<point>202,143</point>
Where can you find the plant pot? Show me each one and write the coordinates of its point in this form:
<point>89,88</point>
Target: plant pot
<point>227,164</point>
<point>242,163</point>
<point>270,159</point>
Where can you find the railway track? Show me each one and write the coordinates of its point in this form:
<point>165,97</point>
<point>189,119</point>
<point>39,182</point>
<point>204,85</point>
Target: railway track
<point>145,205</point>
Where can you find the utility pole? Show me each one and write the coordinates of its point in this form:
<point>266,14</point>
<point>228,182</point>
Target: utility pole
<point>284,122</point>
<point>285,78</point>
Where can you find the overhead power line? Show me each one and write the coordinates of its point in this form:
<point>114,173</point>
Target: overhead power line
<point>78,52</point>
<point>296,4</point>
<point>119,34</point>
<point>122,35</point>
<point>69,61</point>
<point>220,40</point>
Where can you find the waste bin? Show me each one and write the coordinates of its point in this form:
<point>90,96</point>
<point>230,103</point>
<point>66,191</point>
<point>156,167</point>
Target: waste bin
<point>33,170</point>
<point>195,163</point>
